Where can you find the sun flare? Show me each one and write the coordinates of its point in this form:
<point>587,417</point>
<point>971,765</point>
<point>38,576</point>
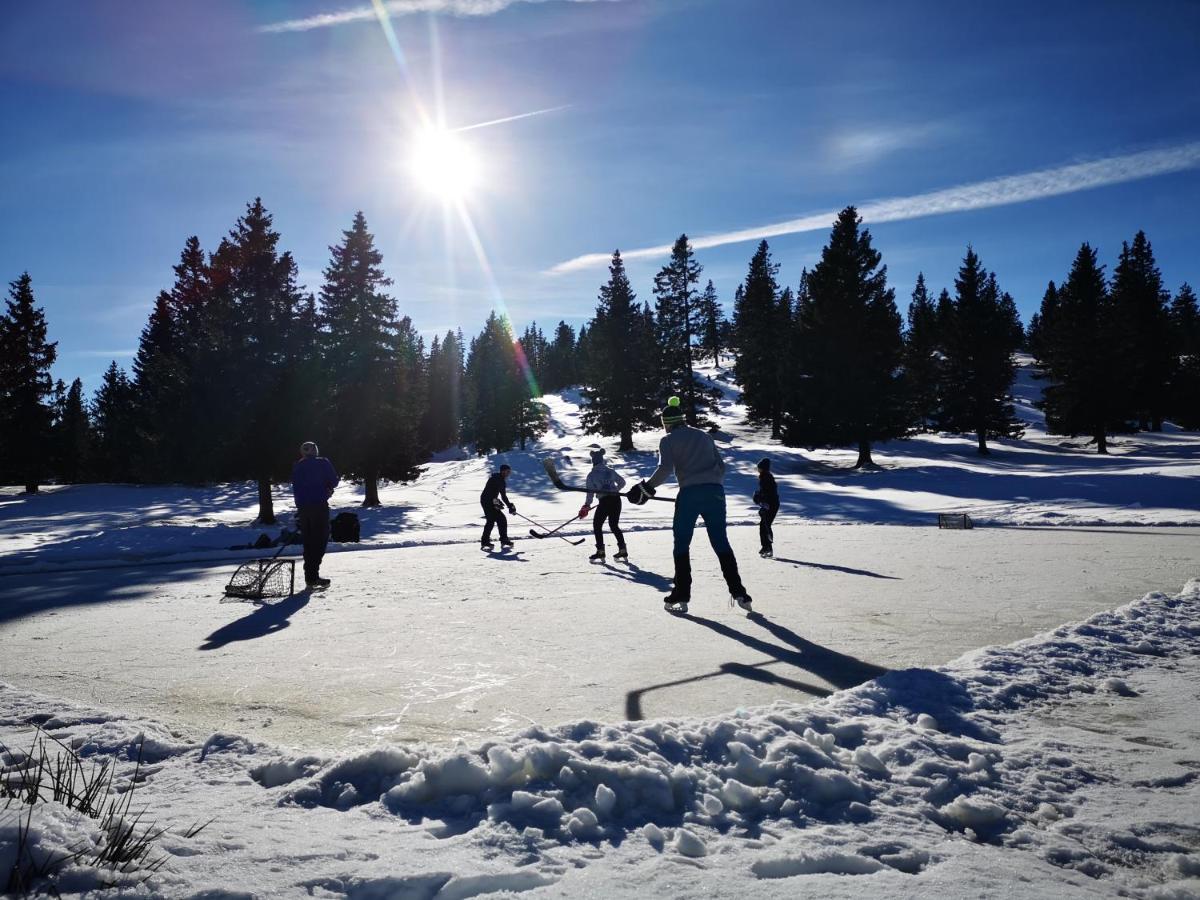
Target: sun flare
<point>443,165</point>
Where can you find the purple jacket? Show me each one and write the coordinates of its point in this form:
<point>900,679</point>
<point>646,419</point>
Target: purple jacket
<point>313,480</point>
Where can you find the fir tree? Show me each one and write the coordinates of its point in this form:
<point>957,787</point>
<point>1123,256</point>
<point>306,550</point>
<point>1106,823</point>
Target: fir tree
<point>922,358</point>
<point>1141,305</point>
<point>1185,351</point>
<point>261,299</point>
<point>495,391</point>
<point>849,348</point>
<point>73,437</point>
<point>370,367</point>
<point>675,316</point>
<point>114,432</point>
<point>982,332</point>
<point>26,389</point>
<point>535,347</point>
<point>444,391</point>
<point>762,325</point>
<point>561,370</point>
<point>710,325</point>
<point>1078,344</point>
<point>158,392</point>
<point>619,393</point>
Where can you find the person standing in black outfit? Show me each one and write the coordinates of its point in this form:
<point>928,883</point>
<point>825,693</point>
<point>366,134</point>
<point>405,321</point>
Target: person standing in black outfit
<point>767,498</point>
<point>313,481</point>
<point>493,500</point>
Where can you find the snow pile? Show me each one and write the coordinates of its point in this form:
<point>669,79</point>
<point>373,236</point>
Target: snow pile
<point>922,752</point>
<point>924,781</point>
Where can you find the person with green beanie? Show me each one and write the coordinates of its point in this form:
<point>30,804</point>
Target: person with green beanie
<point>691,455</point>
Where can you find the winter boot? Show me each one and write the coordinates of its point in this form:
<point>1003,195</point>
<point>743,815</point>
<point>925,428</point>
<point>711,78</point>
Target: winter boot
<point>317,582</point>
<point>486,545</point>
<point>766,553</point>
<point>677,600</point>
<point>506,544</point>
<point>737,591</point>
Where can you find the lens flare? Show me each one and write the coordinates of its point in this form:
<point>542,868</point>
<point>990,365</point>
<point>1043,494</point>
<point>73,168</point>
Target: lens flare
<point>443,165</point>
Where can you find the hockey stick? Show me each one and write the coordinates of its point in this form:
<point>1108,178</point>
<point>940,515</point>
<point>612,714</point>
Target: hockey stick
<point>552,472</point>
<point>553,531</point>
<point>539,525</point>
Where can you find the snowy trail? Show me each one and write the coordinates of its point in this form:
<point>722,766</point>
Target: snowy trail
<point>439,643</point>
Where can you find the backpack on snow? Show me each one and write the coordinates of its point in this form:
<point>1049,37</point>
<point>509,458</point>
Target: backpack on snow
<point>344,528</point>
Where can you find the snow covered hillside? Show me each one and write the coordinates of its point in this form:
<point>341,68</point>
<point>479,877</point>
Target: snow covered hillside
<point>1148,479</point>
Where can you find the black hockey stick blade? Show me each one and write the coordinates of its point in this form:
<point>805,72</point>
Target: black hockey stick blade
<point>534,534</point>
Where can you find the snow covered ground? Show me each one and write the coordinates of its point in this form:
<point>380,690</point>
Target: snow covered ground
<point>446,723</point>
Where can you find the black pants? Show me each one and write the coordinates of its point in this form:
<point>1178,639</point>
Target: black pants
<point>313,519</point>
<point>765,517</point>
<point>494,517</point>
<point>608,509</point>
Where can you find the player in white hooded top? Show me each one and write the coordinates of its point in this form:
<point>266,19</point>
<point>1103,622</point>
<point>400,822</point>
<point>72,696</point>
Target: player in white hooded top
<point>606,483</point>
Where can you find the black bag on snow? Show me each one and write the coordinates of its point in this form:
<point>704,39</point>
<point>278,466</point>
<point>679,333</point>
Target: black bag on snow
<point>344,528</point>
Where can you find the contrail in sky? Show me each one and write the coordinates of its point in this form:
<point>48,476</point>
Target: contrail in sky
<point>980,195</point>
<point>517,117</point>
<point>401,8</point>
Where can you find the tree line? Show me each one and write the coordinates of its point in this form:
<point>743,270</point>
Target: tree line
<point>238,363</point>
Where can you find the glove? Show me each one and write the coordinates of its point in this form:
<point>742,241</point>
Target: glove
<point>757,498</point>
<point>584,510</point>
<point>640,493</point>
<point>498,503</point>
<point>512,508</point>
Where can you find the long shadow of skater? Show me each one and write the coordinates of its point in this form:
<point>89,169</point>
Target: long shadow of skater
<point>829,567</point>
<point>266,619</point>
<point>631,572</point>
<point>838,669</point>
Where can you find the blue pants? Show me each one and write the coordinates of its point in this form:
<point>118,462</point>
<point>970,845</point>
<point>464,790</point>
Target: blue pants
<point>706,501</point>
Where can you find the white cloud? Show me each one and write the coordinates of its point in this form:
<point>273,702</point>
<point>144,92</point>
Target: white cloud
<point>1003,191</point>
<point>403,8</point>
<point>864,146</point>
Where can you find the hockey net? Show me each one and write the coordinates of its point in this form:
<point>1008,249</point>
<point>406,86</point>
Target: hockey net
<point>261,578</point>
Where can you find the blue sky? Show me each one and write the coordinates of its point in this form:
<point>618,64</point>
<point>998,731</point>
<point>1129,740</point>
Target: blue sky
<point>131,126</point>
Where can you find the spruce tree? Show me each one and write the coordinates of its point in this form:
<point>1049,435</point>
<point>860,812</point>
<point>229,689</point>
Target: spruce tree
<point>849,349</point>
<point>1079,342</point>
<point>494,389</point>
<point>73,437</point>
<point>761,321</point>
<point>114,432</point>
<point>1141,304</point>
<point>535,347</point>
<point>199,424</point>
<point>710,321</point>
<point>158,392</point>
<point>26,388</point>
<point>561,370</point>
<point>1185,350</point>
<point>982,332</point>
<point>444,391</point>
<point>369,360</point>
<point>618,394</point>
<point>922,359</point>
<point>675,315</point>
<point>261,300</point>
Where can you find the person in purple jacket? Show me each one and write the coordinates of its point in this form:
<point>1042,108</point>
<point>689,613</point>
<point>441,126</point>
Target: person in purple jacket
<point>313,481</point>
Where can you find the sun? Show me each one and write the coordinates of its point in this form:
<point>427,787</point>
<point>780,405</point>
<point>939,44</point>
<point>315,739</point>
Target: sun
<point>443,165</point>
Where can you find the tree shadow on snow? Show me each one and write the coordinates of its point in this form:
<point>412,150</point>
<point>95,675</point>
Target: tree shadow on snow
<point>266,619</point>
<point>837,669</point>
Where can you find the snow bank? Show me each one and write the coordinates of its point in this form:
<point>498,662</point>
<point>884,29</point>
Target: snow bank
<point>919,747</point>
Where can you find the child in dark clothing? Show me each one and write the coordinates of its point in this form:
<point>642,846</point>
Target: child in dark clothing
<point>767,498</point>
